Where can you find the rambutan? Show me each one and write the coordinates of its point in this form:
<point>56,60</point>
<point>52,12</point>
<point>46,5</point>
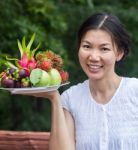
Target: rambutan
<point>64,76</point>
<point>45,65</point>
<point>49,54</point>
<point>39,56</point>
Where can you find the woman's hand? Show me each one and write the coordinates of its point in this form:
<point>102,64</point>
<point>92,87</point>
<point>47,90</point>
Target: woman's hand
<point>51,95</point>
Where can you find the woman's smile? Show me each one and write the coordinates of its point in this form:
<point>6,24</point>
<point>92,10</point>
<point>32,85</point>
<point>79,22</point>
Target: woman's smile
<point>94,68</point>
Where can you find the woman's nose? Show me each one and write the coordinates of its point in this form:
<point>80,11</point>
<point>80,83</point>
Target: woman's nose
<point>94,56</point>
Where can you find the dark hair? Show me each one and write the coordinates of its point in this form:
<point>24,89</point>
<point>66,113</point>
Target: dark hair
<point>112,25</point>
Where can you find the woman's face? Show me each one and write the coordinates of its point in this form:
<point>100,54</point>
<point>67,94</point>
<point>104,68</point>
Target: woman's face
<point>97,54</point>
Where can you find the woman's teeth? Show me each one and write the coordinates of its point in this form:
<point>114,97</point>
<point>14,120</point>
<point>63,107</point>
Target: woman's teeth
<point>95,66</point>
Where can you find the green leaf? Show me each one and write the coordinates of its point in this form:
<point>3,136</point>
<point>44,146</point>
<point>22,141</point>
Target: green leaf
<point>20,48</point>
<point>30,43</point>
<point>9,64</point>
<point>24,44</point>
<point>34,50</point>
<point>7,58</point>
<point>17,64</point>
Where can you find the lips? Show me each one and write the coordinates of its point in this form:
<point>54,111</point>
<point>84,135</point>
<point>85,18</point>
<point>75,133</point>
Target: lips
<point>94,68</point>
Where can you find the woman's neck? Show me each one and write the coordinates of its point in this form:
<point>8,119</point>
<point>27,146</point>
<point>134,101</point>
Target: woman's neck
<point>103,90</point>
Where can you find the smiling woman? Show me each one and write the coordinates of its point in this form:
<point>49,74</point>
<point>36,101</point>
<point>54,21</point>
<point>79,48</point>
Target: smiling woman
<point>100,107</point>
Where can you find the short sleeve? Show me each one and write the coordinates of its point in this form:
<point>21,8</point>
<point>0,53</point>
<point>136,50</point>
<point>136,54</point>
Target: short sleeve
<point>72,97</point>
<point>65,100</point>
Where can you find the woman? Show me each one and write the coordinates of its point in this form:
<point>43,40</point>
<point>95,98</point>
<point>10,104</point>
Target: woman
<point>102,112</point>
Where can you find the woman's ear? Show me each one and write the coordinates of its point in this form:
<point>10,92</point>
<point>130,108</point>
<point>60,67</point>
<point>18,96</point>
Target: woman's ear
<point>120,55</point>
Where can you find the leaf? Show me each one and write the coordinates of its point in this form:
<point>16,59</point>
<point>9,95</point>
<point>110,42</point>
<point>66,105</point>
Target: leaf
<point>30,43</point>
<point>20,48</point>
<point>34,50</point>
<point>9,64</point>
<point>17,64</point>
<point>24,44</point>
<point>7,58</point>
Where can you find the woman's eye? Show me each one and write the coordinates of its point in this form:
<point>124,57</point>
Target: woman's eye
<point>105,49</point>
<point>86,46</point>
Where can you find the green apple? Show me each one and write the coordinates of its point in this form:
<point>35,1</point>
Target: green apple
<point>39,77</point>
<point>55,77</point>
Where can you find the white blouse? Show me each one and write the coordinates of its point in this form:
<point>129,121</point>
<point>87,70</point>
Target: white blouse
<point>111,126</point>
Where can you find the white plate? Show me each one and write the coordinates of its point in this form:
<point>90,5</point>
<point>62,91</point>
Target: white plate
<point>34,89</point>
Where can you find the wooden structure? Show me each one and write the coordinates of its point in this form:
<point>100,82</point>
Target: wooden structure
<point>20,140</point>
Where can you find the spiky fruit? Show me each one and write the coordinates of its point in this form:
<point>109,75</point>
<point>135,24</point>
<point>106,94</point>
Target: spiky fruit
<point>39,56</point>
<point>49,54</point>
<point>27,60</point>
<point>64,76</point>
<point>55,77</point>
<point>45,65</point>
<point>57,62</point>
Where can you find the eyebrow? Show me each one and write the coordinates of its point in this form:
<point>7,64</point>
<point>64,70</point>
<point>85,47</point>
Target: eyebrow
<point>104,44</point>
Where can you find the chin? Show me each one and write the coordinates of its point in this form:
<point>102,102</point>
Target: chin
<point>95,76</point>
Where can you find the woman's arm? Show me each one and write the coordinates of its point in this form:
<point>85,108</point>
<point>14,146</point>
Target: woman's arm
<point>62,130</point>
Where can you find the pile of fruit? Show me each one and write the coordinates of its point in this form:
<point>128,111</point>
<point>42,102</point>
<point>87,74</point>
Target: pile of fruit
<point>44,68</point>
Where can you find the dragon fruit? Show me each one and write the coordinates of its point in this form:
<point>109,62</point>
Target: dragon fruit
<point>27,60</point>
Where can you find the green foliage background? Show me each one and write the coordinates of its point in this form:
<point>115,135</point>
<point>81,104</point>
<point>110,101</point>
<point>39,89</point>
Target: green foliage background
<point>55,23</point>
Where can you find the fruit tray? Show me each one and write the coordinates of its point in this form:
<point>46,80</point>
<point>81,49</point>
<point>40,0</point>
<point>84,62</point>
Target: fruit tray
<point>33,89</point>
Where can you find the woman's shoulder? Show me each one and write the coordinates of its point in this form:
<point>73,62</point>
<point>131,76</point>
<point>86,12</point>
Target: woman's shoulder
<point>131,80</point>
<point>77,88</point>
<point>73,95</point>
<point>130,83</point>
